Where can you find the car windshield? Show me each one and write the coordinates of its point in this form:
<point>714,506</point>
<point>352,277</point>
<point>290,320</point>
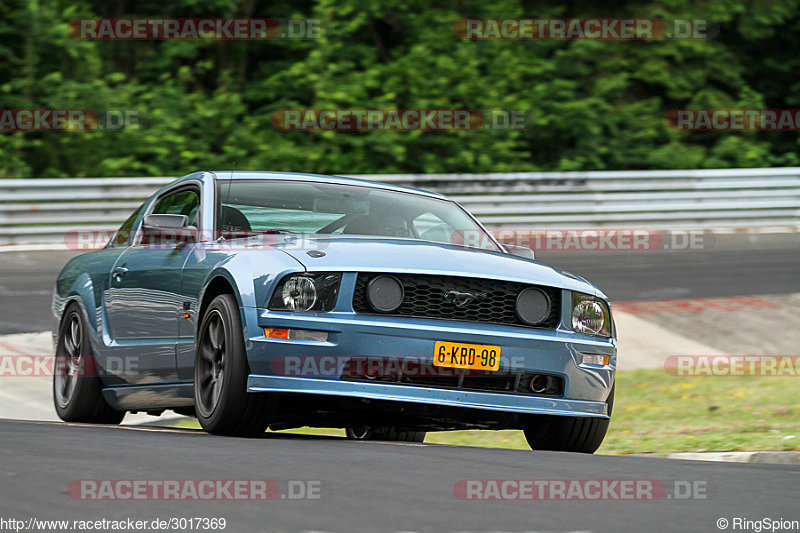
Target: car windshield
<point>273,206</point>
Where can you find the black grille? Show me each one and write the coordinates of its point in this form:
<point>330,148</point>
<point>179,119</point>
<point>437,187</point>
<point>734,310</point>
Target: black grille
<point>425,298</point>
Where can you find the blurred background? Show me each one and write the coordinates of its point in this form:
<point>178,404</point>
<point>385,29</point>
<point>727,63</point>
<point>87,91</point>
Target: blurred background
<point>593,104</point>
<point>595,148</point>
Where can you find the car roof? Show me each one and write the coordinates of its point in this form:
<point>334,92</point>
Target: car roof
<point>299,176</point>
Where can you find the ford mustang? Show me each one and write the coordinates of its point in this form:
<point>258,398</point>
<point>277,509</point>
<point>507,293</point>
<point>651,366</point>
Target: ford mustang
<point>256,300</point>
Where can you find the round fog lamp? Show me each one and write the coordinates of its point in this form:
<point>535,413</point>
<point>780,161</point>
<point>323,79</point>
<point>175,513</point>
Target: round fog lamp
<point>533,306</point>
<point>299,293</point>
<point>587,317</point>
<point>385,293</point>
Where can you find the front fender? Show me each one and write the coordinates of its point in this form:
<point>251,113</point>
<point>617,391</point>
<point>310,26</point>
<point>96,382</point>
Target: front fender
<point>81,293</point>
<point>252,275</point>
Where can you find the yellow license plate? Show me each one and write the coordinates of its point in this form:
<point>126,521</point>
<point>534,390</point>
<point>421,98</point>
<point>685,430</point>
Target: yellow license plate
<point>472,356</point>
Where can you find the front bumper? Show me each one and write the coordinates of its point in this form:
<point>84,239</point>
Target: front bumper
<point>504,402</point>
<point>556,352</point>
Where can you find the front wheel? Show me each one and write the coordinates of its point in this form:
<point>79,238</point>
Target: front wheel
<point>77,389</point>
<point>383,433</point>
<point>222,403</point>
<point>569,433</point>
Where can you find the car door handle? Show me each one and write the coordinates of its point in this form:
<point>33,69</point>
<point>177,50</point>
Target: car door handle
<point>118,272</point>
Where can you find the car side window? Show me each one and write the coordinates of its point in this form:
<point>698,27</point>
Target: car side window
<point>123,235</point>
<point>184,202</point>
<point>432,228</point>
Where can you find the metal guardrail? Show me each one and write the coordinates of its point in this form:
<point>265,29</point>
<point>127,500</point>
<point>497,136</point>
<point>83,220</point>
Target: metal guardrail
<point>43,210</point>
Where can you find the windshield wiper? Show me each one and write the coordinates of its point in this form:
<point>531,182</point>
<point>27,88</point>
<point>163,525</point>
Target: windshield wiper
<point>276,231</point>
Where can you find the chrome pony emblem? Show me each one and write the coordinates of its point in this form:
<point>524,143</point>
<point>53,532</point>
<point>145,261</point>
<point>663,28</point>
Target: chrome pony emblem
<point>461,298</point>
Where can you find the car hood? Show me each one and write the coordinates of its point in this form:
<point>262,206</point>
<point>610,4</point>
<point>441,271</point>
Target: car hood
<point>370,254</point>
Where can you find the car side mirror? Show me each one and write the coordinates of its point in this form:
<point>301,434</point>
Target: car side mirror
<point>168,229</point>
<point>159,222</point>
<point>520,251</point>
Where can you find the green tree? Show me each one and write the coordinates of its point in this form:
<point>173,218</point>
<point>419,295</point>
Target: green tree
<point>206,103</point>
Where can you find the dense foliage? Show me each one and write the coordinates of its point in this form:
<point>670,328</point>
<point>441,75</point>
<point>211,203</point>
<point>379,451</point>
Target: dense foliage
<point>592,104</point>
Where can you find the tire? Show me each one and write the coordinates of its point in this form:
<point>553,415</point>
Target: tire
<point>568,433</point>
<point>222,403</point>
<point>384,433</point>
<point>77,389</point>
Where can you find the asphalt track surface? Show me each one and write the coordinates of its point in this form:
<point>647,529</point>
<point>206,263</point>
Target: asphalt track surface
<point>367,486</point>
<point>725,265</point>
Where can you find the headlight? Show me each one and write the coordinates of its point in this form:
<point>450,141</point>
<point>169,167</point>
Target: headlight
<point>590,315</point>
<point>306,292</point>
<point>299,294</point>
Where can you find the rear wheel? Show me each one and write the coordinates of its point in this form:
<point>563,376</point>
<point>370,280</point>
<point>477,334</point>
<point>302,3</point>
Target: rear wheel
<point>77,389</point>
<point>569,433</point>
<point>222,403</point>
<point>383,433</point>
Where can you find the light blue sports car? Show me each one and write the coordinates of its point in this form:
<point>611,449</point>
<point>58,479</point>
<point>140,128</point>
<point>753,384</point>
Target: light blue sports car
<point>257,300</point>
